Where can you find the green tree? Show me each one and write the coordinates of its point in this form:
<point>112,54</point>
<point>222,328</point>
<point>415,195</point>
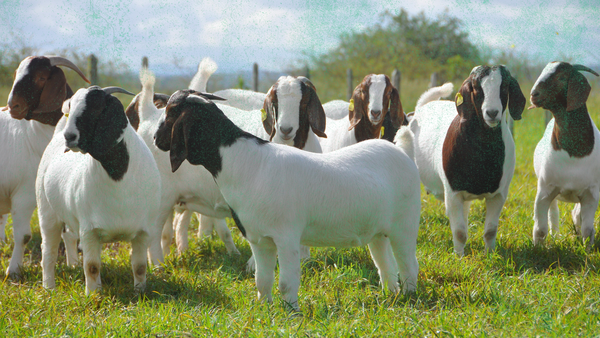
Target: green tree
<point>416,45</point>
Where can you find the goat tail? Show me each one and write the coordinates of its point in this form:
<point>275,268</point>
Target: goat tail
<point>404,139</point>
<point>206,68</point>
<point>435,93</point>
<point>147,95</point>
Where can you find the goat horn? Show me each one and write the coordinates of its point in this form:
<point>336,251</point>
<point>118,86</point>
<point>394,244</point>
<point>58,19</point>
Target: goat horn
<point>208,96</point>
<point>111,90</point>
<point>584,68</point>
<point>61,61</point>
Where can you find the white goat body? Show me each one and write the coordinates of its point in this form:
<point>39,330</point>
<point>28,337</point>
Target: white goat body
<point>283,197</point>
<point>76,191</point>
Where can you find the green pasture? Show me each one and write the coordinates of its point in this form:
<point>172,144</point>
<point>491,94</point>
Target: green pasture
<point>519,290</point>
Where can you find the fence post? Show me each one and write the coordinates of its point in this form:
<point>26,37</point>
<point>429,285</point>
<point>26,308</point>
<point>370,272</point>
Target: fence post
<point>349,83</point>
<point>255,77</point>
<point>434,80</point>
<point>93,69</point>
<point>145,62</point>
<point>396,76</point>
<point>307,72</point>
<point>548,117</point>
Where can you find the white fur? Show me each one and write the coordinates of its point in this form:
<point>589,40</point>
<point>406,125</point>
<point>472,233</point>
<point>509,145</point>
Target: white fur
<point>364,194</point>
<point>429,127</point>
<point>74,190</point>
<point>336,109</point>
<point>435,93</point>
<point>206,68</point>
<point>491,87</point>
<point>242,98</point>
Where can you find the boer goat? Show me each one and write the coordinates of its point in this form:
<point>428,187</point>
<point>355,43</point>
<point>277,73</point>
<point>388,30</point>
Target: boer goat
<point>366,112</point>
<point>104,186</point>
<point>567,158</point>
<point>34,104</point>
<point>464,150</point>
<point>281,197</point>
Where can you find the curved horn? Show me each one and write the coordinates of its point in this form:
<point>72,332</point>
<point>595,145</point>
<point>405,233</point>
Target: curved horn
<point>61,61</point>
<point>197,99</point>
<point>584,68</point>
<point>207,95</point>
<point>111,90</point>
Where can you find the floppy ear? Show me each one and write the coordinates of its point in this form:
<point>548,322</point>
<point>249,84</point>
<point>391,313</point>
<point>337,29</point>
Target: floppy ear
<point>464,99</point>
<point>396,112</point>
<point>578,90</point>
<point>357,110</point>
<point>269,112</point>
<point>316,114</point>
<point>516,99</point>
<point>132,112</point>
<point>110,126</point>
<point>54,92</point>
<point>179,151</point>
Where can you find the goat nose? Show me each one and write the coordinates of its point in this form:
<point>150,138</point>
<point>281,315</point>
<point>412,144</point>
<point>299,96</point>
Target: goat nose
<point>535,93</point>
<point>286,131</point>
<point>70,137</point>
<point>492,113</point>
<point>375,113</point>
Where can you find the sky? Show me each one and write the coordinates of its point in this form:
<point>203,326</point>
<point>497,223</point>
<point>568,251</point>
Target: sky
<point>175,35</point>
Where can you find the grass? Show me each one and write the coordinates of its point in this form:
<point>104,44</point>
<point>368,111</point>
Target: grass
<point>518,290</point>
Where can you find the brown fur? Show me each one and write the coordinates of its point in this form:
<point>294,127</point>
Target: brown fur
<point>364,129</point>
<point>473,153</point>
<point>565,94</point>
<point>133,109</point>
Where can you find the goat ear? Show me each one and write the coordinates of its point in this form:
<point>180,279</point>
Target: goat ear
<point>132,112</point>
<point>269,112</point>
<point>356,111</point>
<point>516,99</point>
<point>316,113</point>
<point>179,137</point>
<point>110,126</point>
<point>578,90</point>
<point>54,92</point>
<point>464,99</point>
<point>396,112</point>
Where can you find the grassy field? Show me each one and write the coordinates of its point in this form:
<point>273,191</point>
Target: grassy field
<point>519,290</point>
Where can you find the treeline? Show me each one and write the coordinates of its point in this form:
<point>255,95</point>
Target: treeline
<point>417,46</point>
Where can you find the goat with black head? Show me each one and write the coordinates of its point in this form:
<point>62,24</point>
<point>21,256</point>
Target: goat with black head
<point>103,186</point>
<point>567,158</point>
<point>464,149</point>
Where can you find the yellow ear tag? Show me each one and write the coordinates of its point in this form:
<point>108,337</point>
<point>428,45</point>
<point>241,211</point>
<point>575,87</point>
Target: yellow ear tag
<point>263,114</point>
<point>458,99</point>
<point>351,106</point>
<point>67,115</point>
<point>381,133</point>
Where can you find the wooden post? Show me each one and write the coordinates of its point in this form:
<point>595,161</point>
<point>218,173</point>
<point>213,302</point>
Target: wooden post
<point>93,69</point>
<point>145,62</point>
<point>434,80</point>
<point>255,77</point>
<point>349,83</point>
<point>307,72</point>
<point>548,117</point>
<point>396,76</point>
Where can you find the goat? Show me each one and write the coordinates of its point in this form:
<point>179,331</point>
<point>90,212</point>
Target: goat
<point>281,197</point>
<point>567,158</point>
<point>34,104</point>
<point>464,150</point>
<point>103,186</point>
<point>366,113</point>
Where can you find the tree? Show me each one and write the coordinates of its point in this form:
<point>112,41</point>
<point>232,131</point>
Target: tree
<point>416,45</point>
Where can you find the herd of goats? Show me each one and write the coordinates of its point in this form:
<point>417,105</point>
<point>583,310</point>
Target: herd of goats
<point>291,172</point>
